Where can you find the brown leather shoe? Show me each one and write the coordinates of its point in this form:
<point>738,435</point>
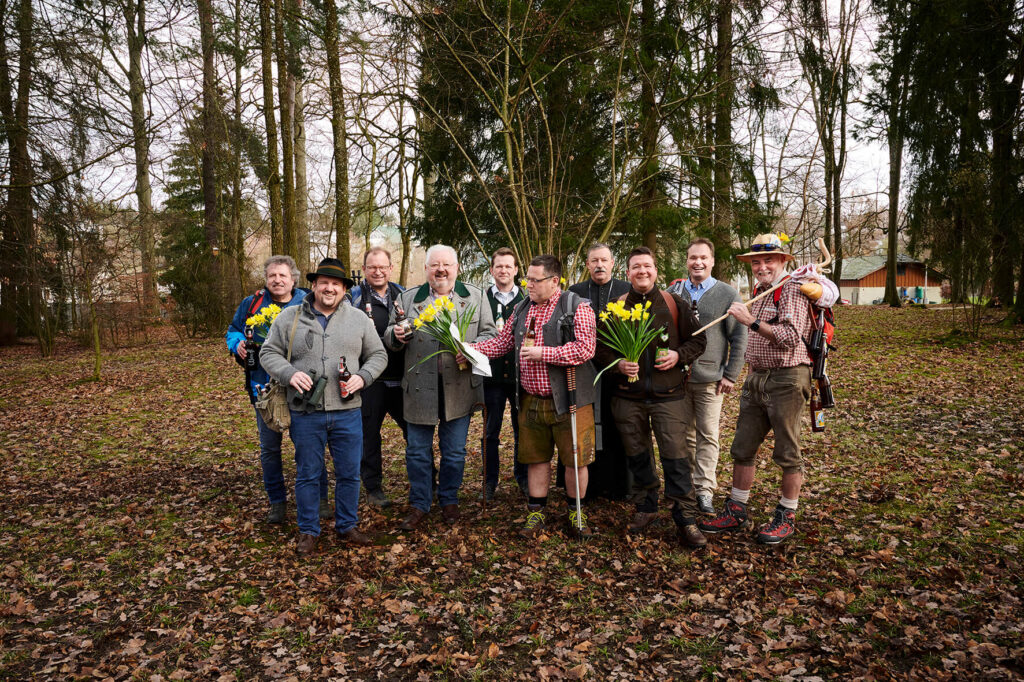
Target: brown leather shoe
<point>353,537</point>
<point>641,522</point>
<point>305,544</point>
<point>412,520</point>
<point>691,536</point>
<point>450,514</point>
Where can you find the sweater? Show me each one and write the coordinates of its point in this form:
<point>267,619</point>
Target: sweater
<point>349,334</point>
<point>726,341</point>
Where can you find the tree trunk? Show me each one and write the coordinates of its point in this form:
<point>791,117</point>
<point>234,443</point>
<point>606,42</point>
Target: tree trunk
<point>235,266</point>
<point>897,95</point>
<point>342,214</point>
<point>722,217</point>
<point>135,25</point>
<point>301,183</point>
<point>273,167</point>
<point>211,213</point>
<point>286,95</point>
<point>649,125</point>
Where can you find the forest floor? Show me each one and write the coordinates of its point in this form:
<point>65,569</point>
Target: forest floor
<point>132,544</point>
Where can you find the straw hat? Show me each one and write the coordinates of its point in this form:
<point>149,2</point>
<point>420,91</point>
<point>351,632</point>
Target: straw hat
<point>765,244</point>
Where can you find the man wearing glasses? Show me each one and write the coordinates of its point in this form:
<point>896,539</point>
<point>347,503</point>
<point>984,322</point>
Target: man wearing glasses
<point>376,296</point>
<point>564,336</point>
<point>774,394</point>
<point>436,393</point>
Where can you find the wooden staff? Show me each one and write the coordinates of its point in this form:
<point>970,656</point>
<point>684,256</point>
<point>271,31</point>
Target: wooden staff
<point>826,259</point>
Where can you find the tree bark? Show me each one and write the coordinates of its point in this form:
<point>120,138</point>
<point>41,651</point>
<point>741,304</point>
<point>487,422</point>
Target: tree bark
<point>286,95</point>
<point>722,218</point>
<point>273,165</point>
<point>301,183</point>
<point>211,213</point>
<point>342,214</point>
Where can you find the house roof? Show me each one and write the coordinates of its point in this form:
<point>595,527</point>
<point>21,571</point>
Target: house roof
<point>862,266</point>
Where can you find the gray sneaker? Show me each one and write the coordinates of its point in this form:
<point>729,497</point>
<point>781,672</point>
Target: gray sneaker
<point>326,509</point>
<point>704,503</point>
<point>276,513</point>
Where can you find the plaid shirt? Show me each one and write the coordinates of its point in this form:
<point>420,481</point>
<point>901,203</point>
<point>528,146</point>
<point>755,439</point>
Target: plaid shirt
<point>533,375</point>
<point>793,325</point>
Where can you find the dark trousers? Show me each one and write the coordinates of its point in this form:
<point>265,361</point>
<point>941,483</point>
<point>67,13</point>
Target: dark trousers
<point>378,400</point>
<point>495,396</point>
<point>610,476</point>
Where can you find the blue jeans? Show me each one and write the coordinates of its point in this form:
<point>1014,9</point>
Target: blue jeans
<point>419,458</point>
<point>270,462</point>
<point>342,432</point>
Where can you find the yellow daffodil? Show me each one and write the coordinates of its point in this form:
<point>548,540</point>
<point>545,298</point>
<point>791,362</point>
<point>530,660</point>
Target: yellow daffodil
<point>604,316</point>
<point>561,281</point>
<point>417,323</point>
<point>784,238</point>
<point>635,315</point>
<point>645,316</point>
<point>647,305</point>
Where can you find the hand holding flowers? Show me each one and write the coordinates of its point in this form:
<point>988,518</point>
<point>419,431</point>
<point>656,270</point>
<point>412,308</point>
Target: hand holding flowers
<point>436,321</point>
<point>628,331</point>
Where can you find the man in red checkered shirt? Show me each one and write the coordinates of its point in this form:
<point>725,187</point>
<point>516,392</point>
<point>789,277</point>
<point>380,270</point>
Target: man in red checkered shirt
<point>554,337</point>
<point>775,392</point>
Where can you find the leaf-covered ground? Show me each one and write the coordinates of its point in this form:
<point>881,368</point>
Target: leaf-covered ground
<point>132,547</point>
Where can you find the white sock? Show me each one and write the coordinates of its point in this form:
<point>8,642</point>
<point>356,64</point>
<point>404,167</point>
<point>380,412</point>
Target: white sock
<point>788,503</point>
<point>740,496</point>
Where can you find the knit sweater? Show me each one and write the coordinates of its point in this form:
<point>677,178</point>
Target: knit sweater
<point>349,333</point>
<point>727,340</point>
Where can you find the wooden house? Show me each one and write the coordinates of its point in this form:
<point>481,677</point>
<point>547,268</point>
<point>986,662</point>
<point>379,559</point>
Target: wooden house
<point>863,280</point>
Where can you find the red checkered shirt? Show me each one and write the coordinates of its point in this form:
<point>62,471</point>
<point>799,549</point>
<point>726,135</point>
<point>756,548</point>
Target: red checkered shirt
<point>534,374</point>
<point>793,325</point>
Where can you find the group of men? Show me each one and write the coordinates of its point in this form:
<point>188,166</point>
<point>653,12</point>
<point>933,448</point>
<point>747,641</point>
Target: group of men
<point>544,349</point>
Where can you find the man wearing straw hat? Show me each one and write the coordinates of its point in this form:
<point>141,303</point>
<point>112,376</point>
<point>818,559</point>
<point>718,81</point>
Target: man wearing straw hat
<point>775,392</point>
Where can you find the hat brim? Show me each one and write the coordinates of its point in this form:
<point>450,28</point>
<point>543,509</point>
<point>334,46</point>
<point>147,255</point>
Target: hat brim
<point>750,254</point>
<point>349,282</point>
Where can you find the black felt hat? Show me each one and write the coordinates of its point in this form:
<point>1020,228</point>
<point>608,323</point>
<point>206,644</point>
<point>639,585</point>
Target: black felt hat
<point>331,267</point>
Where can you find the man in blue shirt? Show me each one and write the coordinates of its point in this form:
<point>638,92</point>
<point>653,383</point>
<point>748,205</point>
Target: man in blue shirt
<point>281,274</point>
<point>714,373</point>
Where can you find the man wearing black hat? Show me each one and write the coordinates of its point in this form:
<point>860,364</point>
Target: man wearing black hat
<point>303,351</point>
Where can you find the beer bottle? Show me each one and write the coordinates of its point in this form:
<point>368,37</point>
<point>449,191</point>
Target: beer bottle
<point>343,376</point>
<point>401,320</point>
<point>817,414</point>
<point>251,348</point>
<point>531,335</point>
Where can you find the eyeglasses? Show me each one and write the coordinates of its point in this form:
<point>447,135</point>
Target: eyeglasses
<point>377,268</point>
<point>765,247</point>
<point>531,280</point>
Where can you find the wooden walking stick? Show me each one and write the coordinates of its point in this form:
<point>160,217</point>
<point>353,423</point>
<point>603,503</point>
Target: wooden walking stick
<point>826,259</point>
<point>571,376</point>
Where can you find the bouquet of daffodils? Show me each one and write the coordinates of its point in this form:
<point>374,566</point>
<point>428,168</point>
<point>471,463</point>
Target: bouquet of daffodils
<point>437,320</point>
<point>627,330</point>
<point>261,321</point>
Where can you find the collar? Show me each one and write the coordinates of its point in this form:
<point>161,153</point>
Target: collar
<point>553,301</point>
<point>423,293</point>
<point>703,286</point>
<point>504,296</point>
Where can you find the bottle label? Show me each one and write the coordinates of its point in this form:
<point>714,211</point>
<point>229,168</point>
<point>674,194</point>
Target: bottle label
<point>819,420</point>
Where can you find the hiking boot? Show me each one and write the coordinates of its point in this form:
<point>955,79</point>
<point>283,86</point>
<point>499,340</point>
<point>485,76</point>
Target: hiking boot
<point>691,536</point>
<point>578,528</point>
<point>326,509</point>
<point>488,493</point>
<point>450,514</point>
<point>276,513</point>
<point>411,521</point>
<point>782,525</point>
<point>305,544</point>
<point>534,525</point>
<point>642,521</point>
<point>704,504</point>
<point>733,517</point>
<point>353,537</point>
<point>378,499</point>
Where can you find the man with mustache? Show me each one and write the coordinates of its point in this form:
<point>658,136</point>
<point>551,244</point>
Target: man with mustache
<point>609,475</point>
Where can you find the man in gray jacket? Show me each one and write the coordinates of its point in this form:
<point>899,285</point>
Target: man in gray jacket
<point>305,349</point>
<point>437,393</point>
<point>715,372</point>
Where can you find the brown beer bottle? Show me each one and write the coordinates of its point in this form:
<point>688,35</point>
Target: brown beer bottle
<point>817,414</point>
<point>531,335</point>
<point>343,376</point>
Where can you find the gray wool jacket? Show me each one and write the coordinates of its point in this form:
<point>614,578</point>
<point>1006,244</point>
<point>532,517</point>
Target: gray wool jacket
<point>349,333</point>
<point>463,390</point>
<point>727,340</point>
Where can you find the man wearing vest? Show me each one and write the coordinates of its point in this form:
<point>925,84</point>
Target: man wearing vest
<point>775,392</point>
<point>609,475</point>
<point>304,348</point>
<point>436,393</point>
<point>654,401</point>
<point>715,372</point>
<point>564,337</point>
<point>376,297</point>
<point>281,274</point>
<point>500,387</point>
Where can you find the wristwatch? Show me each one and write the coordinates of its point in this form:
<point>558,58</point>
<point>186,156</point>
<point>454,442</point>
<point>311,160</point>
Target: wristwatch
<point>755,325</point>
